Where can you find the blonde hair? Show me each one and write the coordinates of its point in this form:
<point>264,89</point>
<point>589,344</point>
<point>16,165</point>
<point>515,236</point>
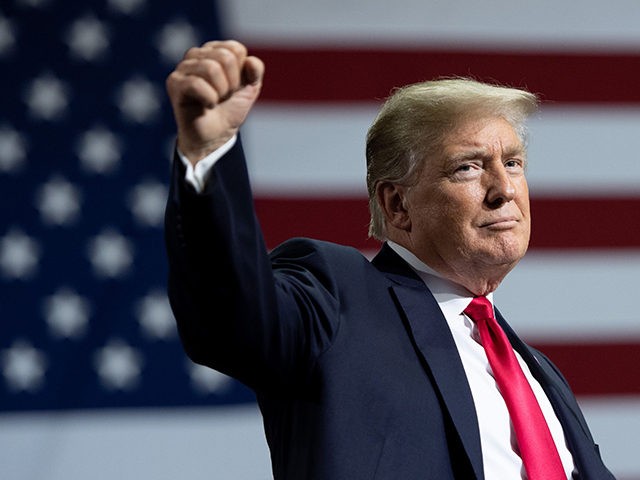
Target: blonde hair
<point>412,122</point>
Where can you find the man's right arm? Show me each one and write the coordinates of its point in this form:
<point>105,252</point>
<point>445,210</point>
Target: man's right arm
<point>209,230</point>
<point>236,312</point>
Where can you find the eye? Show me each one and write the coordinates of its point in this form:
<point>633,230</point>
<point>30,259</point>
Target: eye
<point>466,171</point>
<point>514,164</point>
<point>468,166</point>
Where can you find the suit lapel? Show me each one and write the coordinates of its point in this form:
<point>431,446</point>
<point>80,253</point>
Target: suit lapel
<point>435,344</point>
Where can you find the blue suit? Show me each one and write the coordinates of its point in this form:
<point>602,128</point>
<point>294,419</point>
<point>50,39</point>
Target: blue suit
<point>354,367</point>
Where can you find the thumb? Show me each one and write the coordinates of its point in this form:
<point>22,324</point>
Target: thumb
<point>252,71</point>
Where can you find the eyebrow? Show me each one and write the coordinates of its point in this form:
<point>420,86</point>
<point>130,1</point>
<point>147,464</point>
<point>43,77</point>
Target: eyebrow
<point>482,153</point>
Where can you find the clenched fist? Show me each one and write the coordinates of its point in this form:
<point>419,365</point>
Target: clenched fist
<point>211,91</point>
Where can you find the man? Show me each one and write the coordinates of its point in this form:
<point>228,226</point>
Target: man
<point>390,369</point>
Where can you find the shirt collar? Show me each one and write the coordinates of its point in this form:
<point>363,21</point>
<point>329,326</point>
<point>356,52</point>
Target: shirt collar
<point>452,298</point>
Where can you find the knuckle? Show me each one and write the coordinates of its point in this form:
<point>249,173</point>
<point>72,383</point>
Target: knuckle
<point>173,79</point>
<point>227,58</point>
<point>212,68</point>
<point>192,52</point>
<point>238,47</point>
<point>211,44</point>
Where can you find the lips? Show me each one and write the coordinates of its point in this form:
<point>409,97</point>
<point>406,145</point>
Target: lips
<point>500,223</point>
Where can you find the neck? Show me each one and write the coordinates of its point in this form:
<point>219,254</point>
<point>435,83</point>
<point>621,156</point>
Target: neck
<point>478,279</point>
<point>476,285</point>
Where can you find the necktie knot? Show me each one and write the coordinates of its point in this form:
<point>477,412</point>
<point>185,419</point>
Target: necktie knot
<point>479,309</point>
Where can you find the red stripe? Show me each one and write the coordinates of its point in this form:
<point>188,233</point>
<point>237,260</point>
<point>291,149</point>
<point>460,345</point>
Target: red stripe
<point>597,368</point>
<point>585,222</point>
<point>339,75</point>
<point>339,219</point>
<point>558,223</point>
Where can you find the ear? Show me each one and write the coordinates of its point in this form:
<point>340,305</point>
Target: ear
<point>392,201</point>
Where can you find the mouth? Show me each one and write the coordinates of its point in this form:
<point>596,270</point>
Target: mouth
<point>502,223</point>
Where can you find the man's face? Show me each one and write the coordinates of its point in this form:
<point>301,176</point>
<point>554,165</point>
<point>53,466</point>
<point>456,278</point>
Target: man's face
<point>469,210</point>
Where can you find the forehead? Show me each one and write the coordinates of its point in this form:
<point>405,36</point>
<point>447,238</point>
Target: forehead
<point>484,134</point>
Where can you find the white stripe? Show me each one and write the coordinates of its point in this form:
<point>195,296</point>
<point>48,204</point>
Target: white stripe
<point>555,297</point>
<point>588,151</point>
<point>216,442</point>
<point>298,149</point>
<point>590,25</point>
<point>193,444</point>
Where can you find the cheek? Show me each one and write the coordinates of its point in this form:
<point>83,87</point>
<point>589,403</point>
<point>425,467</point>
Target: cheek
<point>447,212</point>
<point>449,225</point>
<point>523,197</point>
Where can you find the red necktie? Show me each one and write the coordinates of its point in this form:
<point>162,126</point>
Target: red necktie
<point>537,449</point>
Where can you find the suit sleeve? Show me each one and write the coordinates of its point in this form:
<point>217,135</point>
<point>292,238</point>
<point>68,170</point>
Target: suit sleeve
<point>235,312</point>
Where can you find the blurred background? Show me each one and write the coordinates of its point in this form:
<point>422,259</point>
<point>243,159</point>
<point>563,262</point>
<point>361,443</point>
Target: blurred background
<point>93,380</point>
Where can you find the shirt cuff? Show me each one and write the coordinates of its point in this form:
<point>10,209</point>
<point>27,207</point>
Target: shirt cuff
<point>197,176</point>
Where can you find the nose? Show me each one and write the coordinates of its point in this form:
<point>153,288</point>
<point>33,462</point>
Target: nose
<point>500,186</point>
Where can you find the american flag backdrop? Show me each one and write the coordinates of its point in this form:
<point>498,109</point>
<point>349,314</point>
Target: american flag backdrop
<point>93,381</point>
<point>86,135</point>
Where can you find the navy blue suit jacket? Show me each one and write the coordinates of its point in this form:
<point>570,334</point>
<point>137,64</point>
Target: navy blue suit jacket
<point>354,367</point>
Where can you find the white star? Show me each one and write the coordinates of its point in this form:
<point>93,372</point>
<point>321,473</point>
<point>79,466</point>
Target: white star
<point>7,36</point>
<point>205,380</point>
<point>126,6</point>
<point>118,366</point>
<point>19,255</point>
<point>175,39</point>
<point>99,150</point>
<point>46,97</point>
<point>23,367</point>
<point>88,38</point>
<point>67,313</point>
<point>111,254</point>
<point>155,316</point>
<point>13,149</point>
<point>147,201</point>
<point>58,202</point>
<point>138,100</point>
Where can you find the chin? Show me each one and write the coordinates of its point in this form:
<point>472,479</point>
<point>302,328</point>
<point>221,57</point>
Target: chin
<point>510,259</point>
<point>507,255</point>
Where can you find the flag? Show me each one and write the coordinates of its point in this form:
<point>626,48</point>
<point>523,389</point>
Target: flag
<point>93,380</point>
